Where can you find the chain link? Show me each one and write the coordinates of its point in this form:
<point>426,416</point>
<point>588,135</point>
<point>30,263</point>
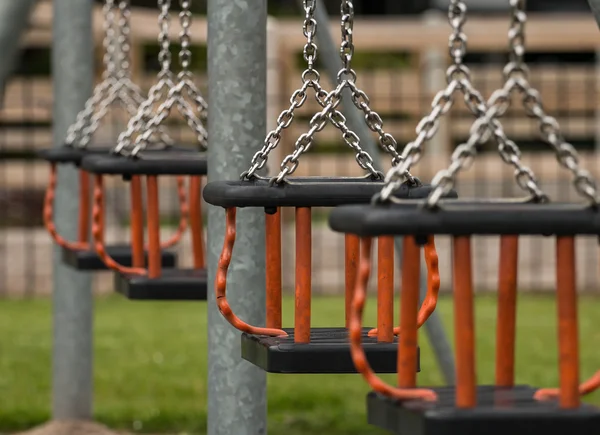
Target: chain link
<point>144,125</point>
<point>485,127</point>
<point>516,75</point>
<point>310,79</point>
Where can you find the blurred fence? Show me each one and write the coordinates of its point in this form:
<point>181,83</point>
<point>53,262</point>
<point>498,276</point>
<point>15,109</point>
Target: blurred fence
<point>401,94</point>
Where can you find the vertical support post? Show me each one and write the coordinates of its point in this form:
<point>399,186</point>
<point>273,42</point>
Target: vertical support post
<point>237,73</point>
<point>73,66</point>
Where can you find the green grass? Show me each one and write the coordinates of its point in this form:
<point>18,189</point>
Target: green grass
<point>150,365</point>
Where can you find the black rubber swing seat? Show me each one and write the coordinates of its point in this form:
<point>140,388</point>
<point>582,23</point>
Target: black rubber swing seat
<point>90,261</point>
<point>328,352</point>
<point>460,218</point>
<point>73,155</point>
<point>172,285</point>
<point>165,162</point>
<point>302,192</point>
<point>329,348</point>
<point>500,411</point>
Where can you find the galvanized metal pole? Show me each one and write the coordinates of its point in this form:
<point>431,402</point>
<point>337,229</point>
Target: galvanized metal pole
<point>14,17</point>
<point>237,72</point>
<point>329,54</point>
<point>73,72</point>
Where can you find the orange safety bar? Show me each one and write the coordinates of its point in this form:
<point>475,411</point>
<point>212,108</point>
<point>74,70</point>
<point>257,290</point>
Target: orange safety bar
<point>221,282</point>
<point>82,243</point>
<point>273,275</point>
<point>570,390</point>
<point>507,311</point>
<point>410,293</point>
<point>154,246</point>
<point>385,290</point>
<point>433,286</point>
<point>464,324</point>
<point>351,254</point>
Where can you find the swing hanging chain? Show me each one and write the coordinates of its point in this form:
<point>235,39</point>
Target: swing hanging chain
<point>361,101</point>
<point>517,75</point>
<point>485,126</point>
<point>329,113</point>
<point>165,80</point>
<point>458,78</point>
<point>175,95</point>
<point>310,79</point>
<point>84,117</point>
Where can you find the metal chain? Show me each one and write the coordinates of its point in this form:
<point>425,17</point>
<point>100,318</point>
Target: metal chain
<point>310,78</point>
<point>100,91</point>
<point>516,75</point>
<point>177,92</point>
<point>164,81</point>
<point>330,102</point>
<point>359,97</point>
<point>485,126</point>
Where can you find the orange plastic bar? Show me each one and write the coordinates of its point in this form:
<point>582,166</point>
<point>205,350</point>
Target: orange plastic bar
<point>49,215</point>
<point>385,289</point>
<point>196,222</point>
<point>568,336</point>
<point>303,274</point>
<point>137,222</point>
<point>221,282</point>
<point>356,349</point>
<point>153,218</point>
<point>464,324</point>
<point>98,231</point>
<point>184,212</point>
<point>352,251</point>
<point>409,308</point>
<point>433,287</point>
<point>273,260</point>
<point>84,207</point>
<point>507,311</point>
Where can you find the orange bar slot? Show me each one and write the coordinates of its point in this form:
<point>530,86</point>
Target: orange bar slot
<point>352,251</point>
<point>409,309</point>
<point>303,274</point>
<point>507,311</point>
<point>154,250</point>
<point>385,289</point>
<point>568,337</point>
<point>137,222</point>
<point>196,222</point>
<point>464,324</point>
<point>273,258</point>
<point>84,207</point>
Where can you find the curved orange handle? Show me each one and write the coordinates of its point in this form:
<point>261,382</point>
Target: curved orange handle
<point>184,210</point>
<point>221,283</point>
<point>588,387</point>
<point>357,351</point>
<point>433,287</point>
<point>49,215</point>
<point>98,232</point>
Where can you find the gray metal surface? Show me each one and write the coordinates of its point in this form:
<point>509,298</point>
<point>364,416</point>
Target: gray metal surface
<point>14,17</point>
<point>329,55</point>
<point>237,71</point>
<point>73,72</point>
<point>595,5</point>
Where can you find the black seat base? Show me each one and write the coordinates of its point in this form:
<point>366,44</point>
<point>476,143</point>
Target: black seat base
<point>328,352</point>
<point>500,411</point>
<point>89,260</point>
<point>173,285</point>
